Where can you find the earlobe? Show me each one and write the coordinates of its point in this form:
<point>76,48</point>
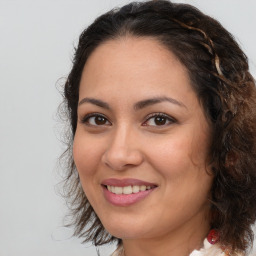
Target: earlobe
<point>209,169</point>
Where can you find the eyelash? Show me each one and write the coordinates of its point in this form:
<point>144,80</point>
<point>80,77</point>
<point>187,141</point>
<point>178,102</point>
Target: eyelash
<point>86,118</point>
<point>169,119</point>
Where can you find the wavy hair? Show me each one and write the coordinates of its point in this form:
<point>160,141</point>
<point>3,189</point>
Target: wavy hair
<point>218,70</point>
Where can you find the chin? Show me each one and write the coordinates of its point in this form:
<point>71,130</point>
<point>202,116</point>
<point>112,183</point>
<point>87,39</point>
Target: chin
<point>125,230</point>
<point>125,233</point>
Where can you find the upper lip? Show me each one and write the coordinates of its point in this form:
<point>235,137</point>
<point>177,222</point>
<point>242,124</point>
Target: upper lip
<point>126,182</point>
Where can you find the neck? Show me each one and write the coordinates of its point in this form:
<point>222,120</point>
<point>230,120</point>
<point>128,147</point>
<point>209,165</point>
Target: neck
<point>181,241</point>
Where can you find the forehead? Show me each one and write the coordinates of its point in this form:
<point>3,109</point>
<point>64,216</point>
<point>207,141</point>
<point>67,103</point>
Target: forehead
<point>134,65</point>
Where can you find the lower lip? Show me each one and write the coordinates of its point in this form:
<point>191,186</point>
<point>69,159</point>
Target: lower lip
<point>125,200</point>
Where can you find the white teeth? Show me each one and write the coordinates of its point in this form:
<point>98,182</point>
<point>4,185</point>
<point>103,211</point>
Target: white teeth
<point>143,188</point>
<point>135,189</point>
<point>118,190</point>
<point>128,189</point>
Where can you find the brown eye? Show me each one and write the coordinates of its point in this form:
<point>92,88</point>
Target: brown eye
<point>95,120</point>
<point>159,119</point>
<point>100,120</point>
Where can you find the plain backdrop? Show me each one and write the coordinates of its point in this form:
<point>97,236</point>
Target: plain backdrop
<point>36,47</point>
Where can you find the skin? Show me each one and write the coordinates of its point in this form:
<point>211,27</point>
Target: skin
<point>128,143</point>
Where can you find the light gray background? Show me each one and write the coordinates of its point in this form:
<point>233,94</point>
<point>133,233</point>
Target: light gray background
<point>36,46</point>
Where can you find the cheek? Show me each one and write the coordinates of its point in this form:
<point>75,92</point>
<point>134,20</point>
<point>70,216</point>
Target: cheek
<point>170,155</point>
<point>185,148</point>
<point>181,161</point>
<point>86,153</point>
<point>87,157</point>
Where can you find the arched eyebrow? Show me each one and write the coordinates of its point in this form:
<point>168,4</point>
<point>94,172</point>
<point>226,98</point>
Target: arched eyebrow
<point>148,102</point>
<point>137,106</point>
<point>96,102</point>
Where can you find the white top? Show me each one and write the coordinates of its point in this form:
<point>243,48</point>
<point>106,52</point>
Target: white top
<point>207,250</point>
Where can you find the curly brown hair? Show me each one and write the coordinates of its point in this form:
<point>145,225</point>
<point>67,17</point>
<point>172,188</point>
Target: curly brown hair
<point>218,70</point>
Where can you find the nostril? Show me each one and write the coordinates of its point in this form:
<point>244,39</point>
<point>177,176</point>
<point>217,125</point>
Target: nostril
<point>122,158</point>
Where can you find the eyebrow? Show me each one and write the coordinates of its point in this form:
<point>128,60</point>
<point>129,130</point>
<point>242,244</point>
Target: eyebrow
<point>148,102</point>
<point>96,102</point>
<point>137,106</point>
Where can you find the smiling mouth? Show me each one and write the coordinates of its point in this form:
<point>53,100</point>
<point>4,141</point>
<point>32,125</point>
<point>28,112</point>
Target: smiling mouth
<point>127,190</point>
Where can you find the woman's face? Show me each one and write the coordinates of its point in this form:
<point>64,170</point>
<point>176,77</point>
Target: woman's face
<point>143,135</point>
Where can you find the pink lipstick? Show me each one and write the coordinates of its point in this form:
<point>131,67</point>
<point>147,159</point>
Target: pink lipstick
<point>125,192</point>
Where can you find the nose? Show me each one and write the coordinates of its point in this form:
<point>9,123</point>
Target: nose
<point>123,150</point>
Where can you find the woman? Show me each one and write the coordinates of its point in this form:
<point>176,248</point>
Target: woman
<point>162,155</point>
